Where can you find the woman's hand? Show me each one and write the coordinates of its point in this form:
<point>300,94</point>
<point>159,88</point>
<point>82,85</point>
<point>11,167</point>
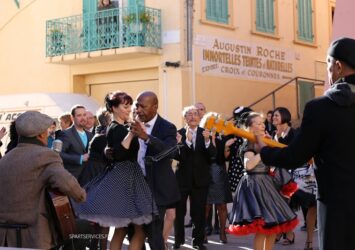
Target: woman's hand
<point>139,130</point>
<point>230,142</point>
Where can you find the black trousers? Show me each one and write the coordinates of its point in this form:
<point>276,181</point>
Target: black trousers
<point>154,230</point>
<point>198,199</point>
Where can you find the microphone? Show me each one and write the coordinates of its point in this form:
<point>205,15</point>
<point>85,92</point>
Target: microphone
<point>57,146</point>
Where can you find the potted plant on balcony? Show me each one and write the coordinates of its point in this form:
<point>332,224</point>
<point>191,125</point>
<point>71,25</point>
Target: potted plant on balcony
<point>138,26</point>
<point>56,42</point>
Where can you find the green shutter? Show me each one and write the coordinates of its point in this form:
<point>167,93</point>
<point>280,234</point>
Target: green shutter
<point>305,20</point>
<point>265,20</point>
<point>223,17</point>
<point>89,25</point>
<point>217,11</point>
<point>17,2</point>
<point>134,3</point>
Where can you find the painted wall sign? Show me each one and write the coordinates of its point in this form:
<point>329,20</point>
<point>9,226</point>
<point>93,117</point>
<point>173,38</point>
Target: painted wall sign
<point>245,60</point>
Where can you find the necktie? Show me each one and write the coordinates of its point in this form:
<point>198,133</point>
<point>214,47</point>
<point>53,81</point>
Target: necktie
<point>194,139</point>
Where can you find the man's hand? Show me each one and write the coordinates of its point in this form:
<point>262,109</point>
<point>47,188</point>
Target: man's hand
<point>178,137</point>
<point>189,134</point>
<point>139,130</point>
<point>2,132</point>
<point>81,198</point>
<point>206,134</point>
<point>85,157</point>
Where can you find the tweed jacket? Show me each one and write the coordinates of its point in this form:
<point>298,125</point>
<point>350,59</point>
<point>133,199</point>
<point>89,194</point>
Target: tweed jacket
<point>25,173</point>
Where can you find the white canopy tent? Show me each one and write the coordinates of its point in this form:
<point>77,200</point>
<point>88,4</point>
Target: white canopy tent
<point>52,104</point>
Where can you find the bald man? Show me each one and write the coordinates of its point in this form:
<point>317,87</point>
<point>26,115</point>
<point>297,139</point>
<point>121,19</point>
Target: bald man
<point>155,136</point>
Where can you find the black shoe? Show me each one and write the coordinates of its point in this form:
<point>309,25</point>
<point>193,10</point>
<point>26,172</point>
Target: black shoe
<point>208,231</point>
<point>216,230</point>
<point>176,246</point>
<point>200,247</point>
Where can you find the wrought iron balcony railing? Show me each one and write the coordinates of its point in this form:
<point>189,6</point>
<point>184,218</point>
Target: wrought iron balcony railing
<point>112,28</point>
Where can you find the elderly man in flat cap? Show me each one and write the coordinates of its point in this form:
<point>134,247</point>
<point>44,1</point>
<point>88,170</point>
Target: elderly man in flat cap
<point>25,173</point>
<point>327,134</point>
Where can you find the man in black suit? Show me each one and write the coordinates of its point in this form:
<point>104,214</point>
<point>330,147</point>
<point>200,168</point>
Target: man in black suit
<point>75,142</point>
<point>193,177</point>
<point>327,133</point>
<point>156,135</point>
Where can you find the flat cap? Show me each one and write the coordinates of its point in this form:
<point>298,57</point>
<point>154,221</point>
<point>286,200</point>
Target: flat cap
<point>343,49</point>
<point>32,123</point>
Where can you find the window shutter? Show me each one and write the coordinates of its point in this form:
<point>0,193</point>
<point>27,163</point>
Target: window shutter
<point>210,8</point>
<point>217,11</point>
<point>223,18</point>
<point>305,20</point>
<point>265,21</point>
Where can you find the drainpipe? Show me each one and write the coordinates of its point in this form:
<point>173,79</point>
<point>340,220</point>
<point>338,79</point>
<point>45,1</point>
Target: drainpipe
<point>165,94</point>
<point>190,49</point>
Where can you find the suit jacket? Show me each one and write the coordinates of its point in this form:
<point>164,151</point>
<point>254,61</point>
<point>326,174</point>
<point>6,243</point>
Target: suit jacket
<point>72,150</point>
<point>25,172</point>
<point>327,133</point>
<point>160,176</point>
<point>194,163</point>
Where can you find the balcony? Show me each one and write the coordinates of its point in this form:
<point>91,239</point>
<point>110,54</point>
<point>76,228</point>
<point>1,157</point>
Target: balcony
<point>113,29</point>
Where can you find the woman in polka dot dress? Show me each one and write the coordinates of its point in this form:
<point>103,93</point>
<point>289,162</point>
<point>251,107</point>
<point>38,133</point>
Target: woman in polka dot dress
<point>120,196</point>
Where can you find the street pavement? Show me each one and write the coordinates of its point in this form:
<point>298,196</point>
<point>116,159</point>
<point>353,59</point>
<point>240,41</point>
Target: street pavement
<point>245,242</point>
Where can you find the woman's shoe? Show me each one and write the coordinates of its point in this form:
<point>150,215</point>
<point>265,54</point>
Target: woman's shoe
<point>223,238</point>
<point>278,237</point>
<point>288,241</point>
<point>308,246</point>
<point>205,240</point>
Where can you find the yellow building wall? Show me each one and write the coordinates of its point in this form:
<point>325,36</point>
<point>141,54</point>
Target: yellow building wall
<point>22,46</point>
<point>25,69</point>
<point>222,94</point>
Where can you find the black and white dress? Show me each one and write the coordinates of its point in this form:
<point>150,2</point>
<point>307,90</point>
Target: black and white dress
<point>236,166</point>
<point>120,196</point>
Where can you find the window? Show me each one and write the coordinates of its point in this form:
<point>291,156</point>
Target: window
<point>217,11</point>
<point>305,21</point>
<point>265,16</point>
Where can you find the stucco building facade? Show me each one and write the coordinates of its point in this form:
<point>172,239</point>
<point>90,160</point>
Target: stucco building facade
<point>224,53</point>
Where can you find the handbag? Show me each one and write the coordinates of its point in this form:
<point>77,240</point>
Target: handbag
<point>305,179</point>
